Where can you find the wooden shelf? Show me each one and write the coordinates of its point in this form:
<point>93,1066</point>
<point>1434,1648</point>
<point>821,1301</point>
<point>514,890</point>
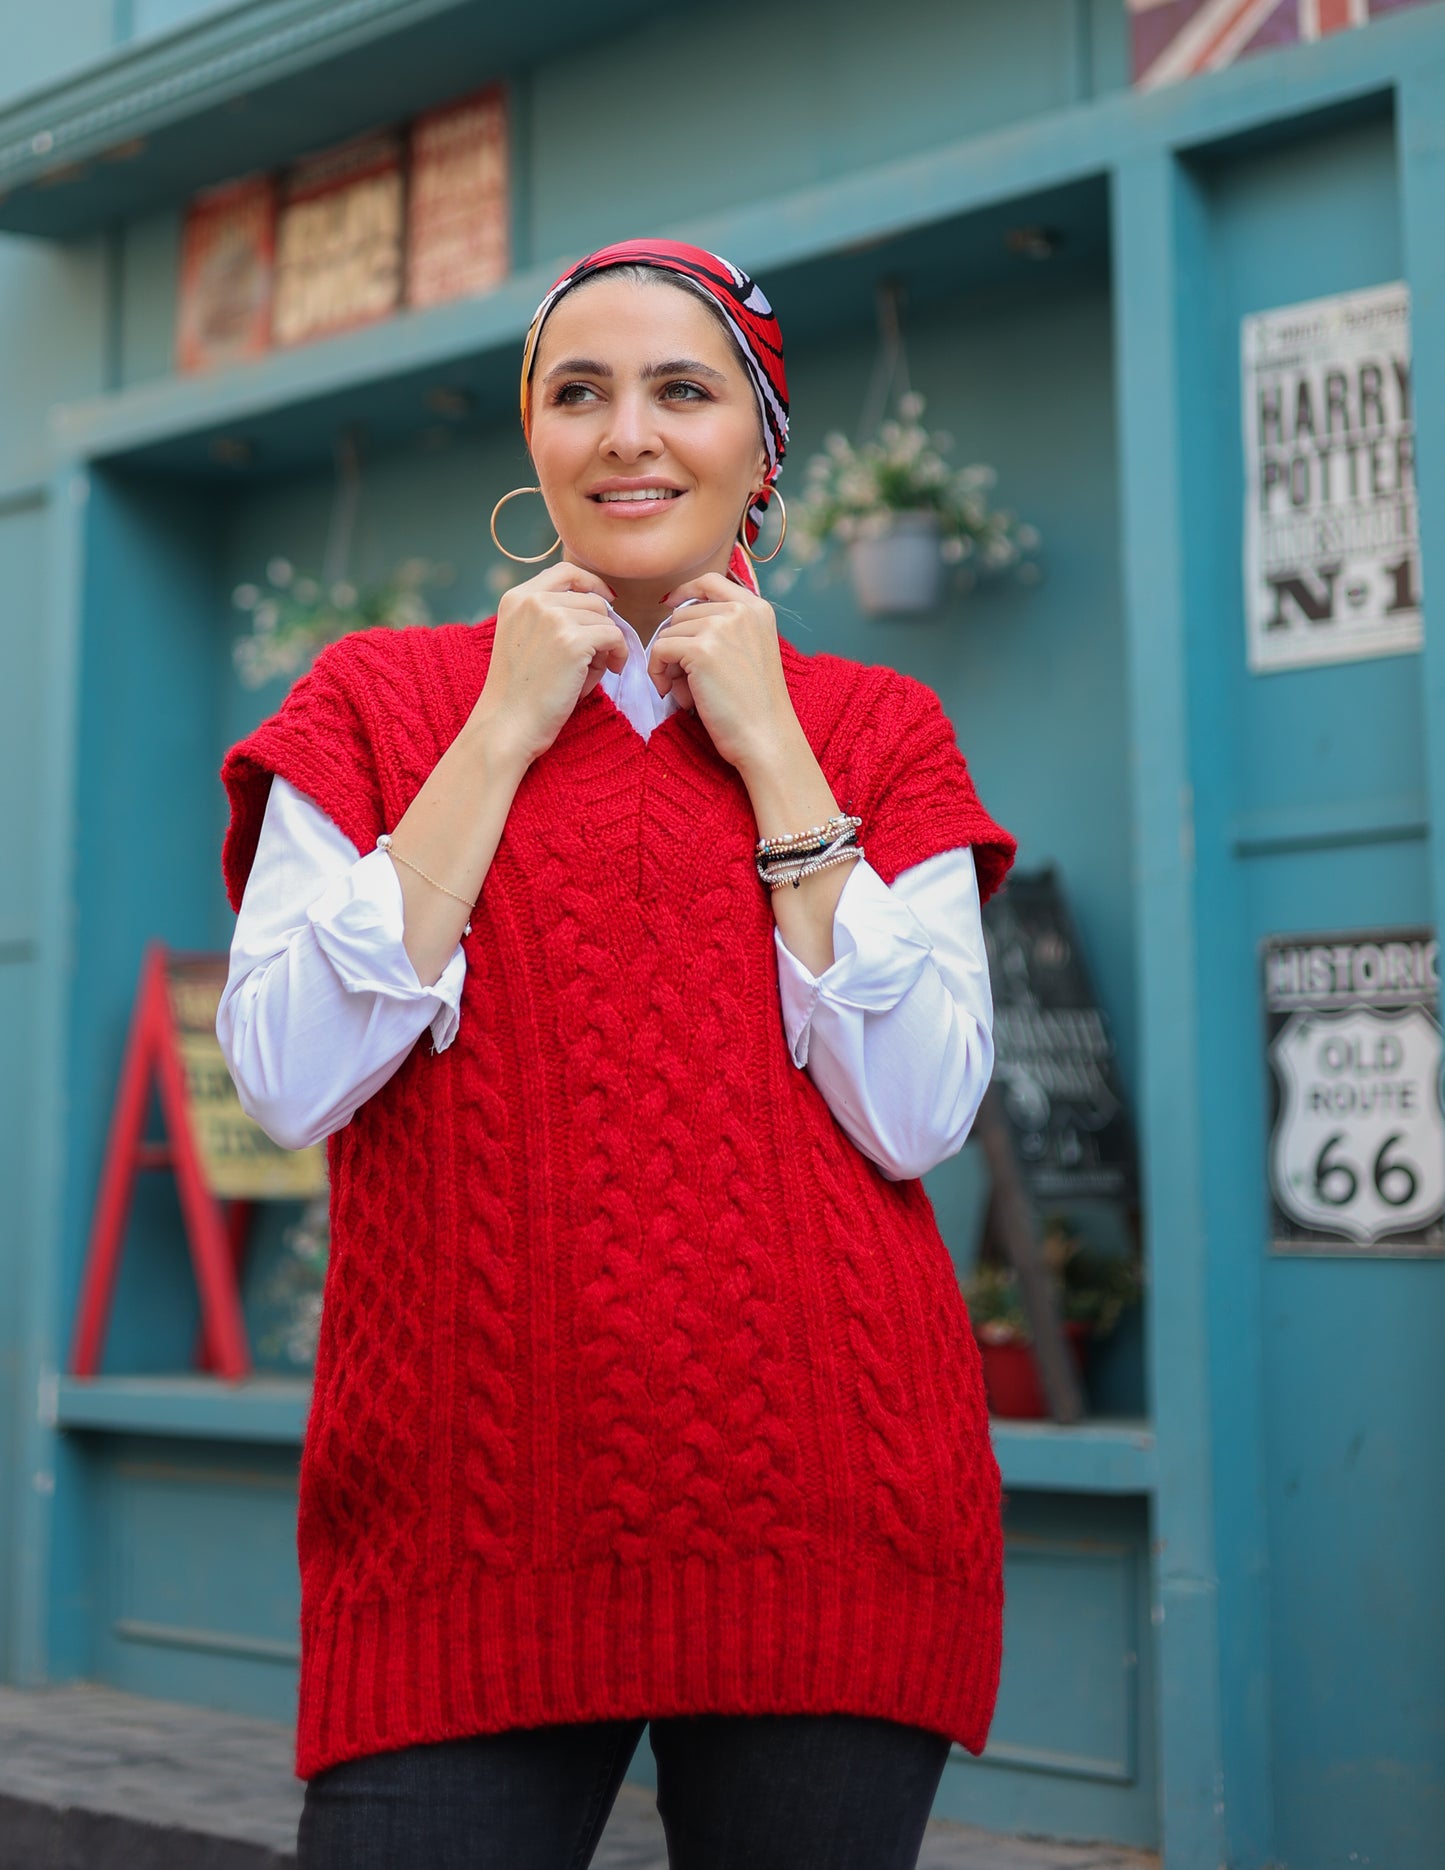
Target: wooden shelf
<point>258,1409</point>
<point>1112,1457</point>
<point>1100,1456</point>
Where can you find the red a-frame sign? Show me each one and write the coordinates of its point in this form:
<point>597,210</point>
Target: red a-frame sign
<point>214,1150</point>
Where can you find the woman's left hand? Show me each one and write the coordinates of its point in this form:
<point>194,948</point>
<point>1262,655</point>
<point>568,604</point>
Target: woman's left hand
<point>720,656</point>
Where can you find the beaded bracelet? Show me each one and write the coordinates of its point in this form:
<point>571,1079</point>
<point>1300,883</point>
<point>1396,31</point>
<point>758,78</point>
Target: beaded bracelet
<point>384,843</point>
<point>843,855</point>
<point>805,858</point>
<point>795,840</point>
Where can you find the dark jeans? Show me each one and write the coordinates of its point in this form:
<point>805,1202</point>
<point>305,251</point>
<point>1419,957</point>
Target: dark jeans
<point>767,1791</point>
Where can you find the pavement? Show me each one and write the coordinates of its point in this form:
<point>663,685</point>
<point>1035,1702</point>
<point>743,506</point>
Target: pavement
<point>92,1779</point>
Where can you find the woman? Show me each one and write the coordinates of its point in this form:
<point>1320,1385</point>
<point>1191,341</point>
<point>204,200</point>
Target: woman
<point>645,1388</point>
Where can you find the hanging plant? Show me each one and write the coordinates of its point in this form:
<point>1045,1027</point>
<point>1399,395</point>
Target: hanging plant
<point>905,516</point>
<point>295,614</point>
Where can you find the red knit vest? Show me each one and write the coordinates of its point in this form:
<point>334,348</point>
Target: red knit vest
<point>639,1391</point>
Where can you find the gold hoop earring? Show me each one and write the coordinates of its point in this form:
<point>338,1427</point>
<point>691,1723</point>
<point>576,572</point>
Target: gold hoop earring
<point>748,552</point>
<point>516,557</point>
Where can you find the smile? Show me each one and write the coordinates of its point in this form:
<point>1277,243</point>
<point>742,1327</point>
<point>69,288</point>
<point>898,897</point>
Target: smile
<point>633,496</point>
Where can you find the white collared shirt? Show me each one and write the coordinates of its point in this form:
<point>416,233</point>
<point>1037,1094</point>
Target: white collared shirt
<point>322,1002</point>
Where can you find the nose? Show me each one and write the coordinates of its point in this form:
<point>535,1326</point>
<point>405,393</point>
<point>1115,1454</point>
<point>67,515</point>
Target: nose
<point>631,431</point>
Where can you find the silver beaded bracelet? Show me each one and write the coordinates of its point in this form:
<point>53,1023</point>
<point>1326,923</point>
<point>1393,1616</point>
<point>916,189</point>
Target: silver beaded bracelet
<point>843,849</point>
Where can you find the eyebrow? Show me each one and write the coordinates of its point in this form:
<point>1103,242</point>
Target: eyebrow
<point>674,367</point>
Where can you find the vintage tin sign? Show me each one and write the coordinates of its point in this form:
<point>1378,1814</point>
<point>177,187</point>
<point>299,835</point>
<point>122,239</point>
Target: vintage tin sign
<point>1357,1134</point>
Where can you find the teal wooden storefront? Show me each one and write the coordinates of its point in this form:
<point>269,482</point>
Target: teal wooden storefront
<point>1225,1635</point>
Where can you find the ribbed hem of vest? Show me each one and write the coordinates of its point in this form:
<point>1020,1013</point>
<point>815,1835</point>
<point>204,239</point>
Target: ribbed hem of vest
<point>487,1653</point>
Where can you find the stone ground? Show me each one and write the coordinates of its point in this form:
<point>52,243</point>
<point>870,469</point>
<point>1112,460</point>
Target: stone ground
<point>91,1779</point>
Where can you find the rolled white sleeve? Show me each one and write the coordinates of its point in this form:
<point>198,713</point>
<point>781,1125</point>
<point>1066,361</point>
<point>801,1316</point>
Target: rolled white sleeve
<point>322,1002</point>
<point>898,1033</point>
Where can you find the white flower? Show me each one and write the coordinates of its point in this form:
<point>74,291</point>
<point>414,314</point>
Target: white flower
<point>911,406</point>
<point>889,434</point>
<point>838,446</point>
<point>265,617</point>
<point>343,595</point>
<point>978,474</point>
<point>1029,537</point>
<point>245,597</point>
<point>307,590</point>
<point>414,571</point>
<point>846,528</point>
<point>874,525</point>
<point>280,572</point>
<point>953,550</point>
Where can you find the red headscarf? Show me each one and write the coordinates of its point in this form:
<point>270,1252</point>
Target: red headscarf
<point>750,320</point>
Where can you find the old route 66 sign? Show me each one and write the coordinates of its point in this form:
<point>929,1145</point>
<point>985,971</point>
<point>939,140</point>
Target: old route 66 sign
<point>1357,1143</point>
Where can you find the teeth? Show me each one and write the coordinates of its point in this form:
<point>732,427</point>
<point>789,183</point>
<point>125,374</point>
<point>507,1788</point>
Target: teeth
<point>642,493</point>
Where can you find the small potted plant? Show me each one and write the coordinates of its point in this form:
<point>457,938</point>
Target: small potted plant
<point>904,516</point>
<point>1091,1290</point>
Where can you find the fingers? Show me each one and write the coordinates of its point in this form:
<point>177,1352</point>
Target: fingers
<point>566,576</point>
<point>607,644</point>
<point>712,584</point>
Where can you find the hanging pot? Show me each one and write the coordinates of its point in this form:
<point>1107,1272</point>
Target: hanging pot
<point>900,573</point>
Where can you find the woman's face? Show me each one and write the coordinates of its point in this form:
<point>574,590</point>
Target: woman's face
<point>646,434</point>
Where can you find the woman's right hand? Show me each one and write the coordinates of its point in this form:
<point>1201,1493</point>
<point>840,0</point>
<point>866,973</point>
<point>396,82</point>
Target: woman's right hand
<point>554,642</point>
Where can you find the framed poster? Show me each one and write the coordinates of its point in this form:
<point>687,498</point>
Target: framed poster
<point>340,230</point>
<point>458,221</point>
<point>228,250</point>
<point>1331,533</point>
<point>1356,1126</point>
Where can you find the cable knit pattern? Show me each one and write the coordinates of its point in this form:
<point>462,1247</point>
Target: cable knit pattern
<point>639,1389</point>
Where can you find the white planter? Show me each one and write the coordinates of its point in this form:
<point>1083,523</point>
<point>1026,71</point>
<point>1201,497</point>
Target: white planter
<point>901,573</point>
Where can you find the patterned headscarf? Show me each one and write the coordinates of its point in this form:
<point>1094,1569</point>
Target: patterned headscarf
<point>749,318</point>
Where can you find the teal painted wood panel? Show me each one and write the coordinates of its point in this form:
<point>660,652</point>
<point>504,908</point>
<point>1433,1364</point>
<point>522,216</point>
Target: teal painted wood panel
<point>1072,1748</point>
<point>45,45</point>
<point>23,580</point>
<point>1336,1363</point>
<point>52,347</point>
<point>194,1575</point>
<point>843,84</point>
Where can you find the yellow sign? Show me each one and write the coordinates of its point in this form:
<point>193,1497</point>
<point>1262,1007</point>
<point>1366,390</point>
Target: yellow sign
<point>239,1160</point>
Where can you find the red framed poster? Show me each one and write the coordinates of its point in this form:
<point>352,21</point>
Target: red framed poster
<point>458,238</point>
<point>340,240</point>
<point>228,250</point>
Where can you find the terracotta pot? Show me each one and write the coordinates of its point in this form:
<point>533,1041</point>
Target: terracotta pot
<point>901,573</point>
<point>1011,1377</point>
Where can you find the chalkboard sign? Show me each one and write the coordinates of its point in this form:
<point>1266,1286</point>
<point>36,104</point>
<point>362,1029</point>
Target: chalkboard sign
<point>1054,1061</point>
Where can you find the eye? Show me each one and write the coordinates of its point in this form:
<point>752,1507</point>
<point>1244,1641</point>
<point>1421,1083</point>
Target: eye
<point>564,392</point>
<point>691,391</point>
